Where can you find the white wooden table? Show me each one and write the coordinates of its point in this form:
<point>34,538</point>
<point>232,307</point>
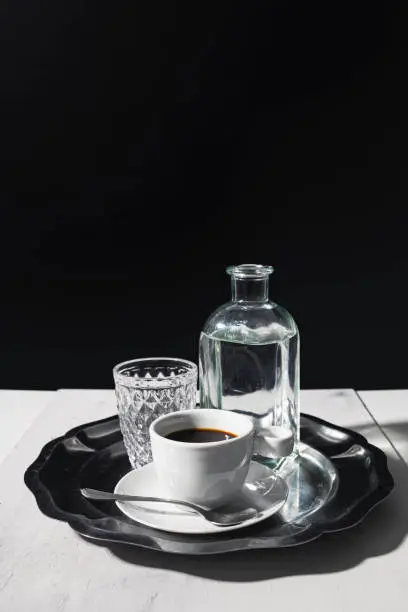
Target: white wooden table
<point>18,411</point>
<point>44,565</point>
<point>390,410</point>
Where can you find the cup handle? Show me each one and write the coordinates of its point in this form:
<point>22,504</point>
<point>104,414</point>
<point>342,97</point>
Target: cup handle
<point>272,442</point>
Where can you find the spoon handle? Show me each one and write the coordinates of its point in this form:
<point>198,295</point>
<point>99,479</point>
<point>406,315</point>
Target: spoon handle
<point>105,496</point>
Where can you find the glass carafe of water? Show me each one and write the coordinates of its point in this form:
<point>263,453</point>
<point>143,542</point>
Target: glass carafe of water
<point>249,354</point>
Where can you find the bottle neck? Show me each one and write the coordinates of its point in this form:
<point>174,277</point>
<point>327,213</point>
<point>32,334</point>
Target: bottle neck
<point>249,289</point>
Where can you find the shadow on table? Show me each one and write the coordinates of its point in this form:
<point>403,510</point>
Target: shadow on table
<point>381,532</point>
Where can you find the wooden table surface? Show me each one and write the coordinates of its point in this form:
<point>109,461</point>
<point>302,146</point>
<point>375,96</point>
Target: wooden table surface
<point>45,565</point>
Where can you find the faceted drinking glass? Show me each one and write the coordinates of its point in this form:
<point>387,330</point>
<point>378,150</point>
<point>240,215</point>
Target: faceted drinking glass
<point>146,389</point>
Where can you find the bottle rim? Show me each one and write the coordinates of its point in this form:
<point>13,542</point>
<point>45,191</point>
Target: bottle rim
<point>250,271</point>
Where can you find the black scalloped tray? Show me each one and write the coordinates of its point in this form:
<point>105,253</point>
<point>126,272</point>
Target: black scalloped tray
<point>93,455</point>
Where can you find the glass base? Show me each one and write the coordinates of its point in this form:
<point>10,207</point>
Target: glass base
<point>281,465</point>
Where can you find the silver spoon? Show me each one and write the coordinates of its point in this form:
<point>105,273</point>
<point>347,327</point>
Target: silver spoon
<point>217,516</point>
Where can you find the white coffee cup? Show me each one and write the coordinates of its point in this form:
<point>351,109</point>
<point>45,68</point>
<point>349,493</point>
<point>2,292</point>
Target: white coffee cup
<point>210,473</point>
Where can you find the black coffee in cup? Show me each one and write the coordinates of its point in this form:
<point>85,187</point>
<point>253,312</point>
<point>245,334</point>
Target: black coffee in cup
<point>200,435</point>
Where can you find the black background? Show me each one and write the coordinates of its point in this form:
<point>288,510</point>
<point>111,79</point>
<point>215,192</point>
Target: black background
<point>145,147</point>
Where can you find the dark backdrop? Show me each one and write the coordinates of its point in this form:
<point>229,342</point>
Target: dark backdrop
<point>144,146</point>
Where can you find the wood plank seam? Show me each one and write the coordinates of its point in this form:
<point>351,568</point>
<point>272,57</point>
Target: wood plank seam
<point>384,433</point>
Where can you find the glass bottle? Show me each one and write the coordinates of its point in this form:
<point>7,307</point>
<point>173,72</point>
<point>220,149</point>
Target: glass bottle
<point>249,354</point>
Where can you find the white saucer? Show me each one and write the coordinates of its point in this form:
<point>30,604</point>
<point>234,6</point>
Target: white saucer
<point>263,490</point>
